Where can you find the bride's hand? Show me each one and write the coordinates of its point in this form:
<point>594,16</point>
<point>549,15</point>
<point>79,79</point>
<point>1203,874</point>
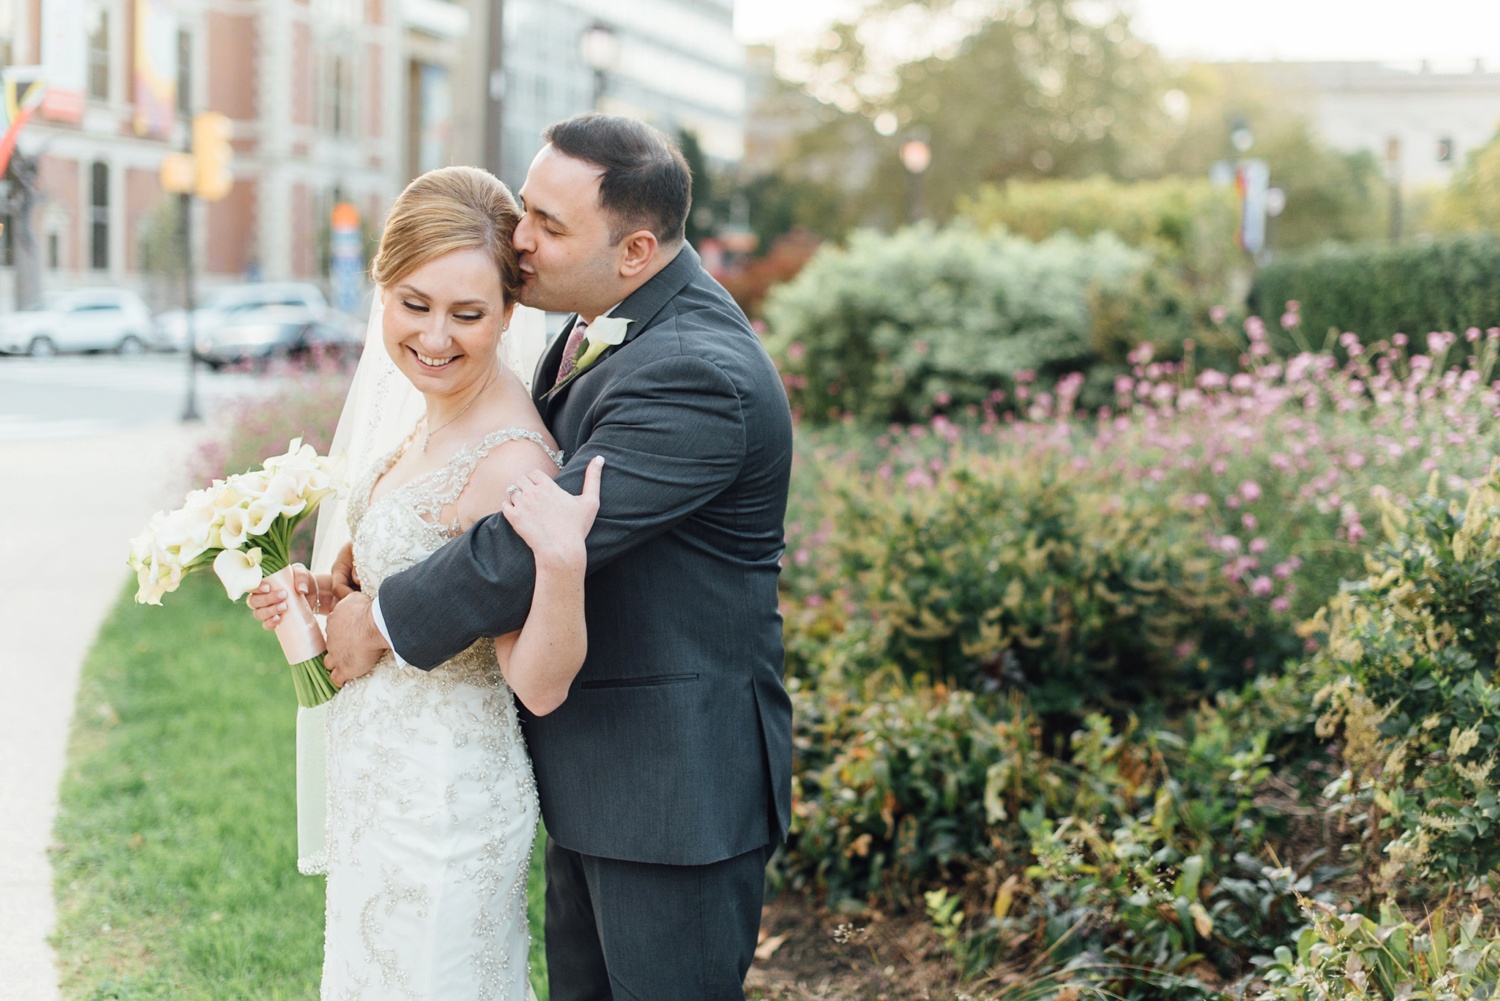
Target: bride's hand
<point>345,580</point>
<point>550,520</point>
<point>268,604</point>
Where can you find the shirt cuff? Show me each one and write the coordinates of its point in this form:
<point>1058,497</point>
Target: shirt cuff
<point>385,633</point>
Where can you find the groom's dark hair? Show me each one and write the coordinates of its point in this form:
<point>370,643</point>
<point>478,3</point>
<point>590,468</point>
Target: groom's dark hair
<point>644,181</point>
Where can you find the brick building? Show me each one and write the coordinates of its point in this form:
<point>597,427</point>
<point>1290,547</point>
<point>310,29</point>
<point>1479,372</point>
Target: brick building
<point>315,91</point>
<point>330,100</point>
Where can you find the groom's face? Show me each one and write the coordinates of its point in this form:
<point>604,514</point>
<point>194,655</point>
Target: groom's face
<point>568,264</point>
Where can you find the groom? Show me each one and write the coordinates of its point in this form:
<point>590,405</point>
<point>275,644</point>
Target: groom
<point>665,777</point>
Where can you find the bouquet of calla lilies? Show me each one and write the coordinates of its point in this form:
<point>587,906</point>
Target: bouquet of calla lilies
<point>243,527</point>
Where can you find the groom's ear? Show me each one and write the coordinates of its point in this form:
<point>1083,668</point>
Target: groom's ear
<point>637,251</point>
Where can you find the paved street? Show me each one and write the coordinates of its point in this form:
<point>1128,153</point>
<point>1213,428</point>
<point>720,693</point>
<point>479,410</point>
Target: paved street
<point>77,395</point>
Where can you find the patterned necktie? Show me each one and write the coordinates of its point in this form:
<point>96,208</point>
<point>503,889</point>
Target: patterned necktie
<point>570,350</point>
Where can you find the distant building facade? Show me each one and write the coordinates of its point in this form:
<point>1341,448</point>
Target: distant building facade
<point>312,89</point>
<point>1423,119</point>
<point>330,101</point>
<point>674,63</point>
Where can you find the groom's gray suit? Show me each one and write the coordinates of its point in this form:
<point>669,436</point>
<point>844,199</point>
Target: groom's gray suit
<point>674,745</point>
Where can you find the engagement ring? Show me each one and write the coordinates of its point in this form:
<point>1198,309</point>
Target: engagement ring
<point>511,491</point>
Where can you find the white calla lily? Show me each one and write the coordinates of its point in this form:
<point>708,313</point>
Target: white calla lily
<point>283,492</point>
<point>235,530</point>
<point>227,496</point>
<point>238,571</point>
<point>262,513</point>
<point>603,333</point>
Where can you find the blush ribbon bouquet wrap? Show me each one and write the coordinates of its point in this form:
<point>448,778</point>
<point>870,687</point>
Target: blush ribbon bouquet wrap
<point>243,527</point>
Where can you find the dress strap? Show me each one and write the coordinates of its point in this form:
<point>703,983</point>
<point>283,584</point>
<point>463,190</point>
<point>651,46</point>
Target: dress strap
<point>436,490</point>
<point>448,482</point>
<point>503,435</point>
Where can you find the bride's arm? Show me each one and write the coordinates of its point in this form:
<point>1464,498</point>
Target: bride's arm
<point>540,660</point>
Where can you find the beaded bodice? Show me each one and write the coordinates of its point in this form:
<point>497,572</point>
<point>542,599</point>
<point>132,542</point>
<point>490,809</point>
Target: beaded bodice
<point>404,526</point>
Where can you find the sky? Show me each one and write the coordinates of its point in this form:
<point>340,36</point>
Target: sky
<point>1451,33</point>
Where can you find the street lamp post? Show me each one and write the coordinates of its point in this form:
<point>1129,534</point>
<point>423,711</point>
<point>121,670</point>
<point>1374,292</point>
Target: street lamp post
<point>190,412</point>
<point>494,118</point>
<point>916,157</point>
<point>1393,179</point>
<point>600,47</point>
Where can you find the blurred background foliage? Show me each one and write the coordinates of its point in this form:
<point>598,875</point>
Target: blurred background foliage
<point>1096,664</point>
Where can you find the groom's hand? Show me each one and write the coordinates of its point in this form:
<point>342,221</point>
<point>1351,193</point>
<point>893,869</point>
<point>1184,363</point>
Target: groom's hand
<point>354,644</point>
<point>345,580</point>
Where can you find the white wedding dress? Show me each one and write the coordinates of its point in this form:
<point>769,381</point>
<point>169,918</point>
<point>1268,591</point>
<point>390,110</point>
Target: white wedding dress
<point>431,804</point>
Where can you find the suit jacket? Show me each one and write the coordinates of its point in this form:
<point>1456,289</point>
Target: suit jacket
<point>674,744</point>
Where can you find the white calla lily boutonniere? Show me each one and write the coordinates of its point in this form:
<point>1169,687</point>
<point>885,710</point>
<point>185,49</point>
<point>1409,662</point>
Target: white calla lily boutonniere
<point>603,334</point>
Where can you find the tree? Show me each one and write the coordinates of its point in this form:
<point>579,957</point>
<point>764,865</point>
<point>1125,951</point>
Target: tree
<point>1472,200</point>
<point>1330,195</point>
<point>707,214</point>
<point>25,194</point>
<point>1024,90</point>
<point>1030,88</point>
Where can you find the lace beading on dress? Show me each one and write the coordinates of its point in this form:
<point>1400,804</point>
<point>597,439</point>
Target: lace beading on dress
<point>432,806</point>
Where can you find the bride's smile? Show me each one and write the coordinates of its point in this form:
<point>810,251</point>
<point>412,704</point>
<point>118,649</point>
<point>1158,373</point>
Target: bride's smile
<point>442,324</point>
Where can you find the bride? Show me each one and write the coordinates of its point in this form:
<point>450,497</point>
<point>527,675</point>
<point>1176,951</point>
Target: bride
<point>431,806</point>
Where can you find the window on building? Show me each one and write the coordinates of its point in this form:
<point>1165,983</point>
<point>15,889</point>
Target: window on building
<point>7,241</point>
<point>99,217</point>
<point>340,95</point>
<point>54,250</point>
<point>99,56</point>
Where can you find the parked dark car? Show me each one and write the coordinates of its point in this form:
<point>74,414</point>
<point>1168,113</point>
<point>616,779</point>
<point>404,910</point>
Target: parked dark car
<point>282,333</point>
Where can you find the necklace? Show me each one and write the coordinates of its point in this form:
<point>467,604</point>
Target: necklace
<point>475,399</point>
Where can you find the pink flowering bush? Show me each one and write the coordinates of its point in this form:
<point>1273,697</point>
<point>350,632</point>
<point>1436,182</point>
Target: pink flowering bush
<point>961,601</point>
<point>305,402</point>
<point>990,553</point>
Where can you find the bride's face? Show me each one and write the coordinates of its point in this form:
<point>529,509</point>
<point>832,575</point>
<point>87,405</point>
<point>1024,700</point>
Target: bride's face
<point>442,323</point>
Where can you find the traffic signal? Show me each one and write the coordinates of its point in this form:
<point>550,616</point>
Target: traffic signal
<point>178,174</point>
<point>212,155</point>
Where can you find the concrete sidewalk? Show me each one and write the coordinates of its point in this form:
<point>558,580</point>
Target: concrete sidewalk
<point>68,507</point>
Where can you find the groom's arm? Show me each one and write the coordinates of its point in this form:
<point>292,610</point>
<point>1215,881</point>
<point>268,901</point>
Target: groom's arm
<point>673,436</point>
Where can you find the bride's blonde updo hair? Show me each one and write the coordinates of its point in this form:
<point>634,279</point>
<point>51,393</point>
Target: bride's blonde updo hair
<point>448,209</point>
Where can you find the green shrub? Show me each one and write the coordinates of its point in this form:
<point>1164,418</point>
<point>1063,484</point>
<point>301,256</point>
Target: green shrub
<point>1140,854</point>
<point>1186,223</point>
<point>1418,710</point>
<point>1024,571</point>
<point>1375,290</point>
<point>897,787</point>
<point>1345,956</point>
<point>305,403</point>
<point>892,326</point>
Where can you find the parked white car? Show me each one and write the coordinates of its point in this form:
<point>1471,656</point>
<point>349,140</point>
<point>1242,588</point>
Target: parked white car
<point>85,319</point>
<point>235,304</point>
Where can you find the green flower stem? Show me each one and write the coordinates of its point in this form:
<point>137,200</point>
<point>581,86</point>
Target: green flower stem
<point>310,680</point>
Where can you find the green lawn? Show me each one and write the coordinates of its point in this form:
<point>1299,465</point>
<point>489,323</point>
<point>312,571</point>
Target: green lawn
<point>176,858</point>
